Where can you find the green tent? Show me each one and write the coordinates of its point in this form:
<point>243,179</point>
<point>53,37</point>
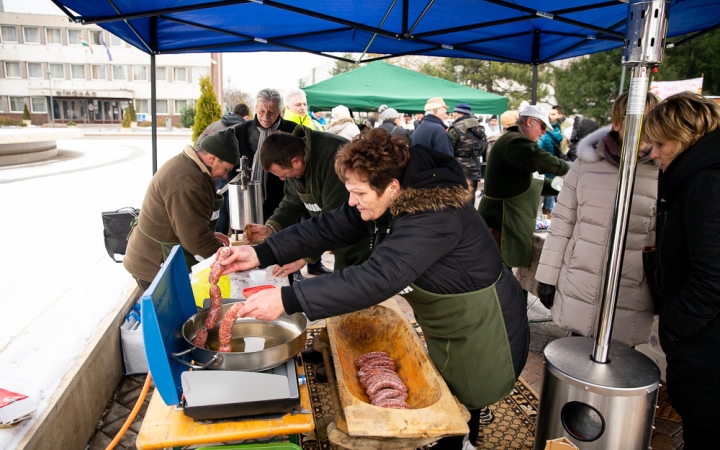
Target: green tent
<point>368,87</point>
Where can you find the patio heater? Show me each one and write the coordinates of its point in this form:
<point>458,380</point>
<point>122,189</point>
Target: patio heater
<point>598,395</point>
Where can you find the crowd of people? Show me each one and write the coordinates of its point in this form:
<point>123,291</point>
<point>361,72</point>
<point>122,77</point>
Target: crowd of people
<point>393,197</point>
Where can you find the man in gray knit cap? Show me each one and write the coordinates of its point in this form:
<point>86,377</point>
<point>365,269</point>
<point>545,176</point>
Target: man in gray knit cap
<point>181,207</point>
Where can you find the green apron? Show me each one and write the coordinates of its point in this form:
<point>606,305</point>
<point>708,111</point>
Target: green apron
<point>168,246</point>
<point>518,224</point>
<point>466,339</point>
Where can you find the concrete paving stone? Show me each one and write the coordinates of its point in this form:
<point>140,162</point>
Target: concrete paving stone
<point>536,386</point>
<point>128,440</point>
<point>117,412</point>
<point>664,442</point>
<point>112,428</point>
<point>667,427</point>
<point>128,398</point>
<point>529,377</point>
<point>137,423</point>
<point>535,365</point>
<point>99,442</point>
<point>537,344</point>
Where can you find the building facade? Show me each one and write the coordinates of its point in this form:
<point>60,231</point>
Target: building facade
<point>89,75</point>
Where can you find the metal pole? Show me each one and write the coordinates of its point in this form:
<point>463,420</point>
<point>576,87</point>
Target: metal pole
<point>153,110</point>
<point>622,81</point>
<point>647,22</point>
<point>533,97</point>
<point>52,109</point>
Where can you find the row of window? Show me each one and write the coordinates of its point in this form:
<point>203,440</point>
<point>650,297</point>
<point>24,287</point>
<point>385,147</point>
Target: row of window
<point>53,36</point>
<point>13,69</point>
<point>38,105</point>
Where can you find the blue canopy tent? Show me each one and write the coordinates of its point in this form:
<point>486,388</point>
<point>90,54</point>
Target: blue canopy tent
<point>519,31</point>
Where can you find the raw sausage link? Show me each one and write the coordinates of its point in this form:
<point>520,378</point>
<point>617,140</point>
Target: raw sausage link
<point>387,382</point>
<point>368,356</point>
<point>215,307</point>
<point>226,327</point>
<point>393,403</point>
<point>366,376</point>
<point>217,268</point>
<point>377,375</point>
<point>200,338</point>
<point>388,393</point>
<point>380,362</point>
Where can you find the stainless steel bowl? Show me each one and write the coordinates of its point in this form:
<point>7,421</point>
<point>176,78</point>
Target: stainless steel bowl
<point>283,339</point>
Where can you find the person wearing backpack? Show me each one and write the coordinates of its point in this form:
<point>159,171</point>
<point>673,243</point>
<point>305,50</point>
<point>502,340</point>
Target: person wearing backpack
<point>470,144</point>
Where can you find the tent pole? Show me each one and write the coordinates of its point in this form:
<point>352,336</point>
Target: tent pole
<point>647,23</point>
<point>153,110</point>
<point>535,61</point>
<point>533,98</point>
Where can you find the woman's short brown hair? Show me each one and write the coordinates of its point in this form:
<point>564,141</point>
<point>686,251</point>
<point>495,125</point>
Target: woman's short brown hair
<point>375,156</point>
<point>619,106</point>
<point>683,118</point>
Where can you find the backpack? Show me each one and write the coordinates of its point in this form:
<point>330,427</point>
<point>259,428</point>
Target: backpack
<point>473,143</point>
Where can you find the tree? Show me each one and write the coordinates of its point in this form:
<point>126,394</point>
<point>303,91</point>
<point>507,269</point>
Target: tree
<point>187,117</point>
<point>342,66</point>
<point>234,96</point>
<point>131,112</point>
<point>208,109</point>
<point>589,85</point>
<point>694,59</point>
<point>126,118</point>
<point>26,112</point>
<point>513,81</point>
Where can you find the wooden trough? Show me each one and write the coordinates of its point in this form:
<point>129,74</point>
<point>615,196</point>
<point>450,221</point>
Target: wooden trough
<point>435,414</point>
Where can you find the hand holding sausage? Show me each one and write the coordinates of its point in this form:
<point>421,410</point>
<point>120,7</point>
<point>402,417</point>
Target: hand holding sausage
<point>265,305</point>
<point>254,233</point>
<point>287,269</point>
<point>224,239</point>
<point>242,257</point>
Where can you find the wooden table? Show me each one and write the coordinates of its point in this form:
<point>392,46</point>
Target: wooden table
<point>166,427</point>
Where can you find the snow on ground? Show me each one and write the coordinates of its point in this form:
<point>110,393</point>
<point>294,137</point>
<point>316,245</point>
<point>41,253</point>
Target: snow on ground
<point>57,281</point>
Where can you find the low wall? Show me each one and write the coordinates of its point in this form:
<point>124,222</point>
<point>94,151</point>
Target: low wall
<point>84,392</point>
<point>24,145</point>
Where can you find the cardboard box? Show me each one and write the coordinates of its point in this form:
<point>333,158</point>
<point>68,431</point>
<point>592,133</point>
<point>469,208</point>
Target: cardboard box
<point>560,444</point>
<point>14,408</point>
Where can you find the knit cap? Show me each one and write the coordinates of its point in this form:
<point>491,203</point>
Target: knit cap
<point>340,112</point>
<point>224,145</point>
<point>463,108</point>
<point>389,114</point>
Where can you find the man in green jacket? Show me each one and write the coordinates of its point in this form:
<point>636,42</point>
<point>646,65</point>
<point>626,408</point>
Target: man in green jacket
<point>305,160</point>
<point>514,182</point>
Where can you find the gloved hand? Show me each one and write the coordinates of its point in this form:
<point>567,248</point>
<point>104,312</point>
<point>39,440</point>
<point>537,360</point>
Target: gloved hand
<point>546,294</point>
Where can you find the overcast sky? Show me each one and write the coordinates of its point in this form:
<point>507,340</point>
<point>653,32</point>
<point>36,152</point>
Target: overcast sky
<point>248,72</point>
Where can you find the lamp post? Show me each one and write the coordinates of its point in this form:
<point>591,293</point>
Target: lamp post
<point>52,110</point>
<point>458,71</point>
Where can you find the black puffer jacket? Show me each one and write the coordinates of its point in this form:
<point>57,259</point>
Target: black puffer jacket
<point>689,249</point>
<point>431,236</point>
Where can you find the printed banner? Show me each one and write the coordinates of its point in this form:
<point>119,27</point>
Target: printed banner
<point>665,89</point>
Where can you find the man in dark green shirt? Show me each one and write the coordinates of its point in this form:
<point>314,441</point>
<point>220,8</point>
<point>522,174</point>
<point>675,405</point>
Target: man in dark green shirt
<point>305,160</point>
<point>514,182</point>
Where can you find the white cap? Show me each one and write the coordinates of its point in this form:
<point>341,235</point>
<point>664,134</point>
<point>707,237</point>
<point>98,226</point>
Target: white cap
<point>340,112</point>
<point>538,113</point>
<point>389,114</point>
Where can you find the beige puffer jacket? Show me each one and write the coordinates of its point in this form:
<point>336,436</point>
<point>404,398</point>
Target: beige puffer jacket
<point>573,257</point>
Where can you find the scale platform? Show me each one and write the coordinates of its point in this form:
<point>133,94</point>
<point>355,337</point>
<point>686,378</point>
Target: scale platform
<point>204,394</point>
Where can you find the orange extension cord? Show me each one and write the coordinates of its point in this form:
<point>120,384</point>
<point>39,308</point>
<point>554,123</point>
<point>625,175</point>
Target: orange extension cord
<point>133,413</point>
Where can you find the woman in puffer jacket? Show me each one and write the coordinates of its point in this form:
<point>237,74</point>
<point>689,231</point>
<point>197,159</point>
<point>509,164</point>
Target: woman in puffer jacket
<point>572,265</point>
<point>342,123</point>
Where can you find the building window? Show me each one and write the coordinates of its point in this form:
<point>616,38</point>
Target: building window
<point>8,33</point>
<point>140,73</point>
<point>119,72</point>
<point>16,104</point>
<point>31,35</point>
<point>77,71</point>
<point>141,106</point>
<point>180,105</point>
<point>74,37</point>
<point>162,106</point>
<point>38,104</point>
<point>96,37</point>
<point>98,72</point>
<point>198,72</point>
<point>57,71</point>
<point>179,73</point>
<point>161,73</point>
<point>34,70</point>
<point>116,41</point>
<point>12,70</point>
<point>53,36</point>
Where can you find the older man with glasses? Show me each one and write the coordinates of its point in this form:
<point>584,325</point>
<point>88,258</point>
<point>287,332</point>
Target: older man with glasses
<point>514,182</point>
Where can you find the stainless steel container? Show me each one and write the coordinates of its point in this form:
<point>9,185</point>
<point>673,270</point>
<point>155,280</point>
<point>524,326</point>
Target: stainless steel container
<point>245,204</point>
<point>597,406</point>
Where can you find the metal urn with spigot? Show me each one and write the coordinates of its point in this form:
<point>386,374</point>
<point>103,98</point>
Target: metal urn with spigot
<point>245,199</point>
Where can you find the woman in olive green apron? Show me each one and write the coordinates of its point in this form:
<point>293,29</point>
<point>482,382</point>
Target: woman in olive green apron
<point>430,244</point>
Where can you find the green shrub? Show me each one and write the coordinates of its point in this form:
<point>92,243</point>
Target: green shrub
<point>71,124</point>
<point>26,113</point>
<point>131,113</point>
<point>11,122</point>
<point>208,109</point>
<point>126,118</point>
<point>187,117</point>
<point>146,123</point>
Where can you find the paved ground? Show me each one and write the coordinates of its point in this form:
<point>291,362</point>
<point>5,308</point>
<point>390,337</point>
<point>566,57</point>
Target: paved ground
<point>667,434</point>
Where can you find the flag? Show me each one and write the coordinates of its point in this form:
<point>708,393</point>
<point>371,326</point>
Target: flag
<point>85,44</point>
<point>107,49</point>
